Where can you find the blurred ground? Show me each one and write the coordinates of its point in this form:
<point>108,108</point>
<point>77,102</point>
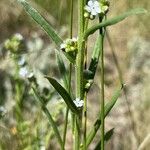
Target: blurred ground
<point>131,44</point>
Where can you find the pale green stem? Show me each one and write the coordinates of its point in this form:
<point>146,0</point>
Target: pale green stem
<point>102,90</point>
<point>79,70</point>
<point>85,94</point>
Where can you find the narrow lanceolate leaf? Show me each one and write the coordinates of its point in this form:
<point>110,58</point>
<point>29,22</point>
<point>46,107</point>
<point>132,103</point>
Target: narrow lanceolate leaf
<point>41,21</point>
<point>62,70</point>
<point>108,108</point>
<point>95,56</point>
<point>114,20</point>
<point>44,25</point>
<point>64,94</point>
<point>47,113</point>
<point>107,137</point>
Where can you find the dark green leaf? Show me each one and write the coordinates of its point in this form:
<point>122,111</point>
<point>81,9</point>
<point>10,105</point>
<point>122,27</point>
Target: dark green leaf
<point>114,20</point>
<point>64,94</point>
<point>108,108</point>
<point>107,137</point>
<point>95,56</point>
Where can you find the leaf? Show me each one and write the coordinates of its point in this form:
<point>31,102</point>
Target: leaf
<point>95,56</point>
<point>41,21</point>
<point>107,137</point>
<point>47,113</point>
<point>114,20</point>
<point>44,25</point>
<point>108,108</point>
<point>64,94</point>
<point>62,70</point>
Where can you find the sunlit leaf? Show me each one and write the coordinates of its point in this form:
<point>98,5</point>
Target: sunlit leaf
<point>108,108</point>
<point>64,94</point>
<point>44,25</point>
<point>95,56</point>
<point>114,20</point>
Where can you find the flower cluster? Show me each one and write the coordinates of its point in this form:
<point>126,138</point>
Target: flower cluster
<point>15,44</point>
<point>94,8</point>
<point>79,103</point>
<point>69,45</point>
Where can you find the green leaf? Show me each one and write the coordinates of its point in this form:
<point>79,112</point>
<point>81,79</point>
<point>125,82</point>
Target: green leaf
<point>47,113</point>
<point>62,70</point>
<point>114,20</point>
<point>107,137</point>
<point>95,56</point>
<point>41,21</point>
<point>108,108</point>
<point>44,25</point>
<point>64,94</point>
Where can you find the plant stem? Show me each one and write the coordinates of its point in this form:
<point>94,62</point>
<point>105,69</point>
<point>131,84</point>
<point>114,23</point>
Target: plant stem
<point>85,94</point>
<point>80,55</point>
<point>102,88</point>
<point>85,120</point>
<point>79,71</point>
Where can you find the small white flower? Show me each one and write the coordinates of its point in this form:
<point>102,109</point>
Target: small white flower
<point>21,61</point>
<point>30,75</point>
<point>78,102</point>
<point>18,36</point>
<point>23,72</point>
<point>75,39</point>
<point>3,111</point>
<point>63,46</point>
<point>42,147</point>
<point>93,7</point>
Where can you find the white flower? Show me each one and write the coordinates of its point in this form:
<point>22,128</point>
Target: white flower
<point>18,36</point>
<point>93,7</point>
<point>78,102</point>
<point>30,75</point>
<point>21,61</point>
<point>63,46</point>
<point>3,111</point>
<point>23,72</point>
<point>75,39</point>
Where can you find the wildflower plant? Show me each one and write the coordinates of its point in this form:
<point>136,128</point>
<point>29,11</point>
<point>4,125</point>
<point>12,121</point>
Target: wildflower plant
<point>76,50</point>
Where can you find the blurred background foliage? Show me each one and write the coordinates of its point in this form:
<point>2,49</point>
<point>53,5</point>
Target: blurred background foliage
<point>131,43</point>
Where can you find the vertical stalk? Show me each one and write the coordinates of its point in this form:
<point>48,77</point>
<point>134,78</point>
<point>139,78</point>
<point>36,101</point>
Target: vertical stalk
<point>70,70</point>
<point>80,55</point>
<point>102,90</point>
<point>79,70</point>
<point>85,94</point>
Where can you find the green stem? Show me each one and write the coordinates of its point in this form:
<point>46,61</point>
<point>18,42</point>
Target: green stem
<point>85,94</point>
<point>79,71</point>
<point>18,92</point>
<point>85,120</point>
<point>80,55</point>
<point>102,89</point>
